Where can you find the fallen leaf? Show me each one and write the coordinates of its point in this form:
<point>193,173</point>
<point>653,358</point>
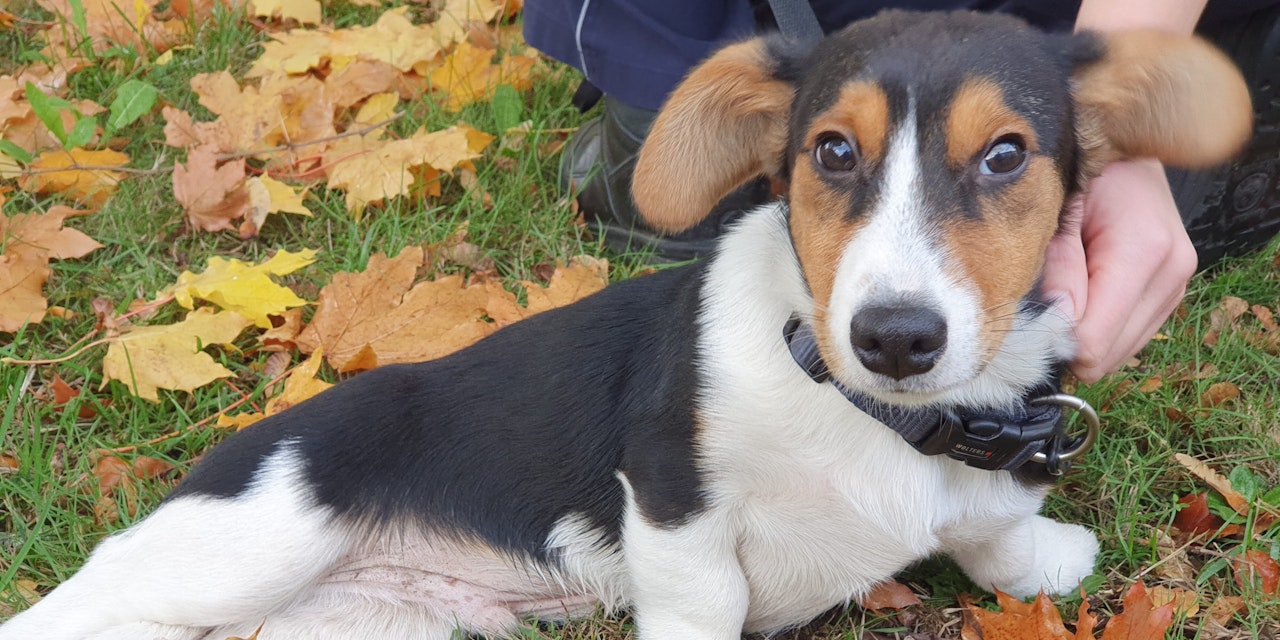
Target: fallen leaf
<point>1218,394</point>
<point>30,241</point>
<point>1141,620</point>
<point>889,594</point>
<point>146,359</point>
<point>1254,567</point>
<point>301,384</point>
<point>304,11</point>
<point>8,464</point>
<point>284,331</point>
<point>582,277</point>
<point>1265,317</point>
<point>1185,603</point>
<point>468,74</point>
<point>212,196</point>
<point>1216,480</point>
<point>1225,608</point>
<point>83,175</point>
<point>379,316</point>
<point>241,287</point>
<point>1016,620</point>
<point>372,170</point>
<point>1195,518</point>
<point>1173,563</point>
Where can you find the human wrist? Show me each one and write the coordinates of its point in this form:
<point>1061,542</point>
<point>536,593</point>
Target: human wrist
<point>1176,16</point>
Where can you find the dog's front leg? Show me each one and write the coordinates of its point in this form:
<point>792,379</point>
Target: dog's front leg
<point>1026,556</point>
<point>686,583</point>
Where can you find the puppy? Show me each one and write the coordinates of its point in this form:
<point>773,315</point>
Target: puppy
<point>657,446</point>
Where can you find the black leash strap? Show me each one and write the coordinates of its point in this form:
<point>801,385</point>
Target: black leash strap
<point>796,19</point>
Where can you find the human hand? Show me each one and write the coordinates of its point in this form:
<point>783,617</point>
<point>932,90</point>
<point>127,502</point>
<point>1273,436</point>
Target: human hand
<point>1123,268</point>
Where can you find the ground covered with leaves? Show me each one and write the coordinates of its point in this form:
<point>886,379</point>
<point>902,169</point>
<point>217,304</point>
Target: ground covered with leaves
<point>213,209</point>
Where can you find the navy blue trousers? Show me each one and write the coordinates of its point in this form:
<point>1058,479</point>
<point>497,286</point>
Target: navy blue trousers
<point>638,50</point>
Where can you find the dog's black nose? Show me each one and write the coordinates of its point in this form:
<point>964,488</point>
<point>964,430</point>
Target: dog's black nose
<point>898,341</point>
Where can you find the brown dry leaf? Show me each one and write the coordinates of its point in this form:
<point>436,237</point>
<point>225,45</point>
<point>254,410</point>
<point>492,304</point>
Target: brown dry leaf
<point>1016,620</point>
<point>8,464</point>
<point>584,276</point>
<point>168,356</point>
<point>889,594</point>
<point>145,468</point>
<point>128,23</point>
<point>22,299</point>
<point>1186,603</point>
<point>1225,608</point>
<point>1218,394</point>
<point>284,331</point>
<point>113,472</point>
<point>378,316</point>
<point>212,196</point>
<point>1229,310</point>
<point>1140,619</point>
<point>1219,482</point>
<point>30,241</point>
<point>1265,317</point>
<point>1173,564</point>
<point>1151,384</point>
<point>1195,518</point>
<point>83,175</point>
<point>1254,567</point>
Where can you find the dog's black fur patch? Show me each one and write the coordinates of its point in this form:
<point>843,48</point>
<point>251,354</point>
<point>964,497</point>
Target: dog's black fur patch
<point>504,438</point>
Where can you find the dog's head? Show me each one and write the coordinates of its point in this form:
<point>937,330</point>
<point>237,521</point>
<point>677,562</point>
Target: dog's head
<point>927,160</point>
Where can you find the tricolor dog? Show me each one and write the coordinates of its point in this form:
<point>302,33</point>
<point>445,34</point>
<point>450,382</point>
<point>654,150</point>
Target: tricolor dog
<point>666,446</point>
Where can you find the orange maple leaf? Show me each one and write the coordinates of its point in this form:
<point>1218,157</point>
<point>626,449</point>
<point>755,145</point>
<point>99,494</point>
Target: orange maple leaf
<point>81,174</point>
<point>30,241</point>
<point>1016,620</point>
<point>1140,620</point>
<point>212,196</point>
<point>469,74</point>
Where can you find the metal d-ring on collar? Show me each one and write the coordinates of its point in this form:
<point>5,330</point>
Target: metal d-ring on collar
<point>1007,439</point>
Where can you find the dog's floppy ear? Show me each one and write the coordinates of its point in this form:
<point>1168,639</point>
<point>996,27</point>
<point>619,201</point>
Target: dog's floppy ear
<point>724,124</point>
<point>1154,94</point>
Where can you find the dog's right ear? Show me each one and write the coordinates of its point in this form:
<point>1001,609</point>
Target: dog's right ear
<point>725,124</point>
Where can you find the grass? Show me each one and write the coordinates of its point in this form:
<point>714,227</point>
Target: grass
<point>51,516</point>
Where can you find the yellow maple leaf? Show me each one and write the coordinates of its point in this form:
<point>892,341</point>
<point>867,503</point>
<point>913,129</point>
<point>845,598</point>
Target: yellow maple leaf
<point>60,171</point>
<point>457,15</point>
<point>22,279</point>
<point>241,287</point>
<point>304,11</point>
<point>393,39</point>
<point>583,276</point>
<point>147,359</point>
<point>469,74</point>
<point>266,196</point>
<point>370,169</point>
<point>377,108</point>
<point>301,384</point>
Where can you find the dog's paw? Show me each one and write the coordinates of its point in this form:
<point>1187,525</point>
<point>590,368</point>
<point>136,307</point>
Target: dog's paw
<point>1064,555</point>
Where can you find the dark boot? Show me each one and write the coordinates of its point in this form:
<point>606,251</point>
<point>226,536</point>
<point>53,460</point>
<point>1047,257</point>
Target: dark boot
<point>1236,208</point>
<point>597,165</point>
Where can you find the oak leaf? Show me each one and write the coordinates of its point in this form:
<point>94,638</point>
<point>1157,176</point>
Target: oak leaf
<point>147,359</point>
<point>241,287</point>
<point>212,196</point>
<point>83,175</point>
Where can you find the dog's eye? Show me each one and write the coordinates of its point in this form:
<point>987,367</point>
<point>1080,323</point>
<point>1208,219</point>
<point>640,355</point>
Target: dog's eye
<point>1003,156</point>
<point>834,153</point>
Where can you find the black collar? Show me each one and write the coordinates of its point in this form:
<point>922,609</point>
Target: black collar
<point>1032,431</point>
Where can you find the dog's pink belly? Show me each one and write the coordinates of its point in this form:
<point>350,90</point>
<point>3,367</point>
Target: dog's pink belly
<point>470,584</point>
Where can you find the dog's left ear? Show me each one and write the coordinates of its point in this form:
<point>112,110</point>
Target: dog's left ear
<point>1153,94</point>
<point>725,124</point>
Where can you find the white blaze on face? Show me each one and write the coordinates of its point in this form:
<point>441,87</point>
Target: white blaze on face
<point>897,258</point>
